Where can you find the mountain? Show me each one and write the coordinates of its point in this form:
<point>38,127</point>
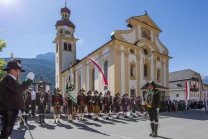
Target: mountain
<point>44,67</point>
<point>49,55</point>
<point>204,78</point>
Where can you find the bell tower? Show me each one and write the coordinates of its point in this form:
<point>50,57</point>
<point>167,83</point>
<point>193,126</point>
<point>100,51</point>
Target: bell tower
<point>65,45</point>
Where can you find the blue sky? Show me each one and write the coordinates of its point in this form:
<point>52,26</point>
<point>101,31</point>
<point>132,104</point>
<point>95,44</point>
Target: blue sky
<point>29,26</point>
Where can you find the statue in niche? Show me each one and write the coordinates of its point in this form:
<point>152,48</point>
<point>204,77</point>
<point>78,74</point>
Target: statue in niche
<point>131,71</point>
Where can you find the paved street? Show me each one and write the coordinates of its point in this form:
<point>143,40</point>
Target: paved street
<point>174,125</point>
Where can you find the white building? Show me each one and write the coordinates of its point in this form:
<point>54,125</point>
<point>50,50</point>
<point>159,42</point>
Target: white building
<point>177,89</point>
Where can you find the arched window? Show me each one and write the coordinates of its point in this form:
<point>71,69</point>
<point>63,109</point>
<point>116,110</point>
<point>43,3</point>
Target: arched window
<point>56,48</point>
<point>69,47</point>
<point>158,75</point>
<point>106,72</point>
<point>61,31</point>
<point>145,71</point>
<point>92,79</point>
<point>145,51</point>
<point>65,46</point>
<point>79,81</point>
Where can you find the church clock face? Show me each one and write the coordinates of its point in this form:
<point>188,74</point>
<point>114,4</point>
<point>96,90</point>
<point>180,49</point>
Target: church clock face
<point>67,32</point>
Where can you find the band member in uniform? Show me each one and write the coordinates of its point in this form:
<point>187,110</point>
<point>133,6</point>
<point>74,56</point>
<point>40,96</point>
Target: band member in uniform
<point>101,103</point>
<point>11,99</point>
<point>138,107</point>
<point>96,105</point>
<point>152,100</point>
<point>130,104</point>
<point>125,103</point>
<point>133,105</point>
<point>41,100</point>
<point>89,103</point>
<point>70,106</point>
<point>81,101</point>
<point>27,100</point>
<point>107,104</point>
<point>57,103</point>
<point>117,104</point>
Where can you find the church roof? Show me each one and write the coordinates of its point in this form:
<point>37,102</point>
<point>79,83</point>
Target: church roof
<point>143,19</point>
<point>66,10</point>
<point>65,22</point>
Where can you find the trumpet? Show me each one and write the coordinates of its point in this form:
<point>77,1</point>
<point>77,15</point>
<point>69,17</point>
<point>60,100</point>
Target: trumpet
<point>149,106</point>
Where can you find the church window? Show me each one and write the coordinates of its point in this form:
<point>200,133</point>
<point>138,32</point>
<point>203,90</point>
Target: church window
<point>61,31</point>
<point>56,48</point>
<point>132,51</point>
<point>79,81</point>
<point>158,75</point>
<point>132,92</point>
<point>158,58</point>
<point>106,72</point>
<point>145,71</point>
<point>92,79</point>
<point>65,15</point>
<point>179,85</point>
<point>65,46</point>
<point>69,47</point>
<point>145,51</point>
<point>177,95</point>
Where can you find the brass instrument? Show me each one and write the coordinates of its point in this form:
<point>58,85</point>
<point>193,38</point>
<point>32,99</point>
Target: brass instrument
<point>149,106</point>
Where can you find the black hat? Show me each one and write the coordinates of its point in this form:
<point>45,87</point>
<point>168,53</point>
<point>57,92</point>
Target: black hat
<point>89,92</point>
<point>57,89</point>
<point>82,89</point>
<point>14,65</point>
<point>95,91</point>
<point>152,83</point>
<point>117,93</point>
<point>108,92</point>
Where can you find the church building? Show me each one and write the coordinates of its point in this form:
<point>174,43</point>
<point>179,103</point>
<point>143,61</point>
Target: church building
<point>129,59</point>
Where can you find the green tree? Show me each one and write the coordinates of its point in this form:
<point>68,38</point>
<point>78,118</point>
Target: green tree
<point>2,62</point>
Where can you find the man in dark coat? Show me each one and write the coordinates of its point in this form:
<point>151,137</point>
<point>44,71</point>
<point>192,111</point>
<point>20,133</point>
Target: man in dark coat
<point>27,100</point>
<point>117,104</point>
<point>96,105</point>
<point>152,100</point>
<point>169,104</point>
<point>89,103</point>
<point>81,101</point>
<point>107,104</point>
<point>125,103</point>
<point>11,96</point>
<point>41,101</point>
<point>101,103</point>
<point>57,102</point>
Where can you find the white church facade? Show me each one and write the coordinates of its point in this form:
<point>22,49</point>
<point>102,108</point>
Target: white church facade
<point>130,59</point>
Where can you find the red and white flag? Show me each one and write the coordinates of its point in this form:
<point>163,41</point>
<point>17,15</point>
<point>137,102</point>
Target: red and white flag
<point>102,74</point>
<point>187,89</point>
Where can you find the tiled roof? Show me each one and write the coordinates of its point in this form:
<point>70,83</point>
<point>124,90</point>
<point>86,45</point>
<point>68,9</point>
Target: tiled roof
<point>181,75</point>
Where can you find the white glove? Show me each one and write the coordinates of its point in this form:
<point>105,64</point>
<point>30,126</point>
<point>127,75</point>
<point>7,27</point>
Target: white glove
<point>158,109</point>
<point>31,76</point>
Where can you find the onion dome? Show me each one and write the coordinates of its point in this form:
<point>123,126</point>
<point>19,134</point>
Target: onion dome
<point>65,23</point>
